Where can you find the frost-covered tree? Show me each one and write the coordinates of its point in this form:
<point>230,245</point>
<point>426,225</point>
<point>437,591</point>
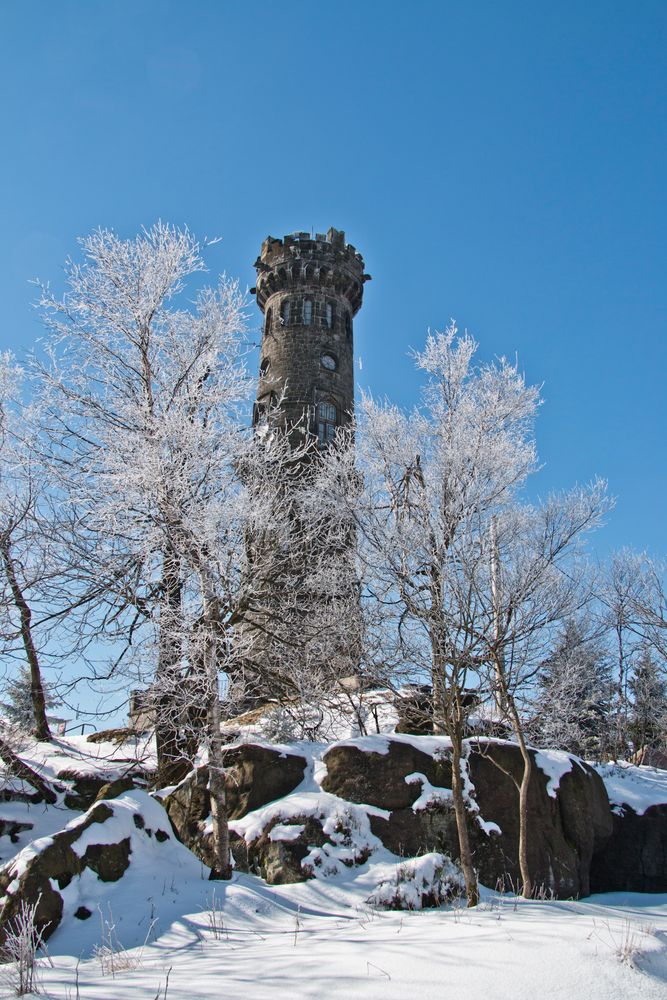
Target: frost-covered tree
<point>574,704</point>
<point>18,700</point>
<point>648,692</point>
<point>147,439</point>
<point>29,563</point>
<point>141,399</point>
<point>475,577</point>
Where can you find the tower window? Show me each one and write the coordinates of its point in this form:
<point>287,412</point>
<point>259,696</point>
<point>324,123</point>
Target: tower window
<point>307,312</point>
<point>264,367</point>
<point>329,362</point>
<point>348,325</point>
<point>329,314</point>
<point>267,322</point>
<point>326,422</point>
<point>284,311</point>
<point>263,407</point>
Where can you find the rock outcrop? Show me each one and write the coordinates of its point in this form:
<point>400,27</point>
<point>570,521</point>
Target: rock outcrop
<point>634,858</point>
<point>566,824</point>
<point>566,827</point>
<point>292,818</point>
<point>45,868</point>
<point>255,774</point>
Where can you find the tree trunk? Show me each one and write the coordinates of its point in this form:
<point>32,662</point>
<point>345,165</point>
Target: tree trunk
<point>40,728</point>
<point>472,888</point>
<point>448,718</point>
<point>527,886</point>
<point>171,764</point>
<point>222,868</point>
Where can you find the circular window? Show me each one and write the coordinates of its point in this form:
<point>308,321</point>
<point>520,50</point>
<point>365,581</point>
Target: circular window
<point>329,362</point>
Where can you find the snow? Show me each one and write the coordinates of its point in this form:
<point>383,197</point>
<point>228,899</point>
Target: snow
<point>107,760</point>
<point>121,825</point>
<point>433,745</point>
<point>637,787</point>
<point>554,763</point>
<point>430,794</point>
<point>282,832</point>
<point>330,937</point>
<point>417,881</point>
<point>321,939</point>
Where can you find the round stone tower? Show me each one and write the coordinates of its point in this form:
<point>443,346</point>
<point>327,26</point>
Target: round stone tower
<point>309,289</point>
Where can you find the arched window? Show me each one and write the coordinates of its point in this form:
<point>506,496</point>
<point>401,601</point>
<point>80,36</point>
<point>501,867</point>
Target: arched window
<point>307,312</point>
<point>267,322</point>
<point>284,311</point>
<point>327,415</point>
<point>329,315</point>
<point>264,367</point>
<point>348,325</point>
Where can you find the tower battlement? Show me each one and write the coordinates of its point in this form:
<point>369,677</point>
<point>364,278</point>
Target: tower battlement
<point>308,262</point>
<point>309,289</point>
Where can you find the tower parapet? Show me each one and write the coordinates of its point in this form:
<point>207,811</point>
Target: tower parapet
<point>309,289</point>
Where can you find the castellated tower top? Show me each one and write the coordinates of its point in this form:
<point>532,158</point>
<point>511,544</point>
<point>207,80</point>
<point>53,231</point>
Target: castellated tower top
<point>309,289</point>
<point>300,260</point>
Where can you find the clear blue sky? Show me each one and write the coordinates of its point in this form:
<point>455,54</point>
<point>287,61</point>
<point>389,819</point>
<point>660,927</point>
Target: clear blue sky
<point>501,163</point>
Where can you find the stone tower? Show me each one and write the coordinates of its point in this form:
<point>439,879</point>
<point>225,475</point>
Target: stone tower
<point>309,289</point>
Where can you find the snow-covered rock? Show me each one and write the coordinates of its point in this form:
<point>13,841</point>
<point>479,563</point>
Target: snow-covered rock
<point>634,859</point>
<point>104,842</point>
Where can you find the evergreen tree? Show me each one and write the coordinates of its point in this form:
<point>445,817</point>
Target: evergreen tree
<point>19,707</point>
<point>574,702</point>
<point>648,691</point>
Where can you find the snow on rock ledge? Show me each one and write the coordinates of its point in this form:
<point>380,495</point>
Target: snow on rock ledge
<point>105,841</point>
<point>634,859</point>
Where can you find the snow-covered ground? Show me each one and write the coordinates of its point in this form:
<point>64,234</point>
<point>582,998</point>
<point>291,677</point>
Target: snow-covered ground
<point>168,933</point>
<point>249,941</point>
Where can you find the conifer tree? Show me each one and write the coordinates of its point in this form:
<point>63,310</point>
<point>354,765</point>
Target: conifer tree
<point>575,690</point>
<point>17,702</point>
<point>648,712</point>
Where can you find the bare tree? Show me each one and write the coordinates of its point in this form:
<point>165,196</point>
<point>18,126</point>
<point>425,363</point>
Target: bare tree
<point>26,548</point>
<point>522,581</point>
<point>434,477</point>
<point>141,401</point>
<point>476,576</point>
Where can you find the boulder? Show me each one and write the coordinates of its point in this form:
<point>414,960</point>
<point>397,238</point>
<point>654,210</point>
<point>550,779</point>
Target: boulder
<point>564,828</point>
<point>411,834</point>
<point>255,775</point>
<point>118,735</point>
<point>634,858</point>
<point>83,788</point>
<point>377,778</point>
<point>48,865</point>
<point>113,789</point>
<point>414,708</point>
<point>13,829</point>
<point>278,858</point>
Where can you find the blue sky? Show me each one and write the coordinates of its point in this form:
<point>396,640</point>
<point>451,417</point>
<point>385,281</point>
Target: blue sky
<point>503,164</point>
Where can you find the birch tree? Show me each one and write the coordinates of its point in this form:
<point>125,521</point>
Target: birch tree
<point>141,399</point>
<point>476,575</point>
